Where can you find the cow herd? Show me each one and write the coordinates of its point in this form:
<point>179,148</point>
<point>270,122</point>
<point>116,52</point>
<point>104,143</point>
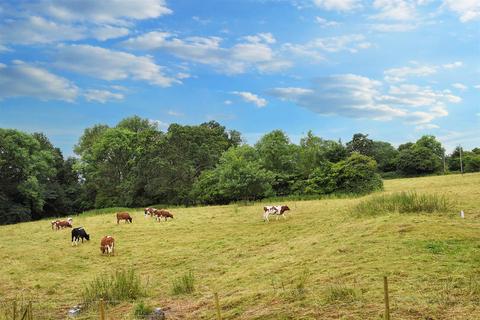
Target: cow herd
<point>107,243</point>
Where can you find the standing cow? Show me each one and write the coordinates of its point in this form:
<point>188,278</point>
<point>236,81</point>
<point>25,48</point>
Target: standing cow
<point>274,210</point>
<point>124,216</point>
<point>107,245</point>
<point>149,211</point>
<point>79,233</point>
<point>162,213</point>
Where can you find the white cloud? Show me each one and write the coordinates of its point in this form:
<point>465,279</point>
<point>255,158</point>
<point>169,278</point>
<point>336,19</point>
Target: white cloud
<point>337,5</point>
<point>23,80</point>
<point>477,86</point>
<point>400,74</point>
<point>105,11</point>
<point>227,102</point>
<point>108,32</point>
<point>398,10</point>
<point>102,96</point>
<point>326,23</point>
<point>356,96</point>
<point>426,126</point>
<point>393,27</point>
<point>453,65</point>
<point>460,86</point>
<point>467,10</point>
<point>316,48</point>
<point>251,98</point>
<point>175,113</point>
<point>36,29</point>
<point>160,124</point>
<point>254,53</point>
<point>110,65</point>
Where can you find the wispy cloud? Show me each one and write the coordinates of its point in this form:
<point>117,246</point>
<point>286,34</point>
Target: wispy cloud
<point>251,98</point>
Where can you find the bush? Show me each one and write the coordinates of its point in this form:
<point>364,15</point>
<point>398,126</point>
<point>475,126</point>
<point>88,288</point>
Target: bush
<point>119,286</point>
<point>403,202</point>
<point>183,284</point>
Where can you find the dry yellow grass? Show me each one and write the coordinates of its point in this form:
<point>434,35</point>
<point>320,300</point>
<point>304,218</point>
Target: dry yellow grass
<point>320,263</point>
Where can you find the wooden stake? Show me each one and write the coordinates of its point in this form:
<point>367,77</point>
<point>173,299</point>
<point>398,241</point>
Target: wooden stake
<point>387,302</point>
<point>30,312</point>
<point>217,306</point>
<point>102,309</point>
<point>14,309</point>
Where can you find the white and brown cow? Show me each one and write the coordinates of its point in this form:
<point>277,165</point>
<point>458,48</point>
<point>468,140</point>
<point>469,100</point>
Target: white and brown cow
<point>149,211</point>
<point>107,245</point>
<point>274,210</point>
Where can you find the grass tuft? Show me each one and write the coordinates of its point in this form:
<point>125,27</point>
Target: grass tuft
<point>183,284</point>
<point>123,285</point>
<point>142,310</point>
<point>402,202</point>
<point>341,293</point>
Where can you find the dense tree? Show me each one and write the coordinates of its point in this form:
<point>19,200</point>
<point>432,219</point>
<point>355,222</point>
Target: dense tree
<point>361,144</point>
<point>385,155</point>
<point>357,174</point>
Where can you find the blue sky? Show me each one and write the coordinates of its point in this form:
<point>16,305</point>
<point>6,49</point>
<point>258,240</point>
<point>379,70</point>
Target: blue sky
<point>395,69</point>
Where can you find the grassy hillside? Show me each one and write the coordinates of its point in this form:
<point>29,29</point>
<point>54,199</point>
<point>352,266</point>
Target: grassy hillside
<point>323,262</point>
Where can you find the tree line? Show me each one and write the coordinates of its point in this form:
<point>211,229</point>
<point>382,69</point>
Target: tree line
<point>134,164</point>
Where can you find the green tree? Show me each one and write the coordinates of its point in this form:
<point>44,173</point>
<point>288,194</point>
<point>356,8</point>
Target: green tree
<point>385,155</point>
<point>361,144</point>
<point>357,174</point>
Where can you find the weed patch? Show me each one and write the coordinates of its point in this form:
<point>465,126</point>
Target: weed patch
<point>402,202</point>
<point>184,284</point>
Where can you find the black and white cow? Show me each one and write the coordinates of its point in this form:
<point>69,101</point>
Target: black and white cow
<point>78,233</point>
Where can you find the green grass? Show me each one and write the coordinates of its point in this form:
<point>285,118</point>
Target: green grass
<point>183,284</point>
<point>403,202</point>
<point>320,263</point>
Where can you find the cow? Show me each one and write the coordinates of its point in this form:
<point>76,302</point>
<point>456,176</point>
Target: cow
<point>162,213</point>
<point>63,224</point>
<point>107,245</point>
<point>124,216</point>
<point>275,210</point>
<point>54,224</point>
<point>78,233</point>
<point>149,211</point>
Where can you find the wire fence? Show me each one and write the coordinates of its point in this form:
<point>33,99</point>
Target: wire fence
<point>50,309</point>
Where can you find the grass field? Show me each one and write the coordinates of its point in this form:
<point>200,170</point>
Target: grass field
<point>323,262</point>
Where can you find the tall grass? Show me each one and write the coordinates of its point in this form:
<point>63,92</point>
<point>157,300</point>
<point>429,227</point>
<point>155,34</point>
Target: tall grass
<point>123,285</point>
<point>403,202</point>
<point>183,284</point>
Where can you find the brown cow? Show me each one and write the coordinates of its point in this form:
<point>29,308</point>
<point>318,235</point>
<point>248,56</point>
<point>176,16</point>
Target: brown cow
<point>107,245</point>
<point>162,213</point>
<point>63,224</point>
<point>54,224</point>
<point>124,216</point>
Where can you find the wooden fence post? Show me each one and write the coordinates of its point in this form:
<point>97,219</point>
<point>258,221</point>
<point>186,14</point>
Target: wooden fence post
<point>217,306</point>
<point>14,309</point>
<point>387,302</point>
<point>30,312</point>
<point>102,309</point>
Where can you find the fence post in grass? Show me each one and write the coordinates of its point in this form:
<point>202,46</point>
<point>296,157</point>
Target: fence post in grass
<point>30,312</point>
<point>217,306</point>
<point>387,302</point>
<point>14,309</point>
<point>102,309</point>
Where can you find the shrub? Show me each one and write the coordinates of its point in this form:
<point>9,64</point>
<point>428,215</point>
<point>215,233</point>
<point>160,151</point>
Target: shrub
<point>183,284</point>
<point>403,202</point>
<point>120,286</point>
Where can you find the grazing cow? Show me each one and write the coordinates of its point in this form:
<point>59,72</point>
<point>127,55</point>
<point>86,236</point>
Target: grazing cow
<point>124,216</point>
<point>149,211</point>
<point>162,213</point>
<point>63,224</point>
<point>274,210</point>
<point>54,224</point>
<point>78,233</point>
<point>107,245</point>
